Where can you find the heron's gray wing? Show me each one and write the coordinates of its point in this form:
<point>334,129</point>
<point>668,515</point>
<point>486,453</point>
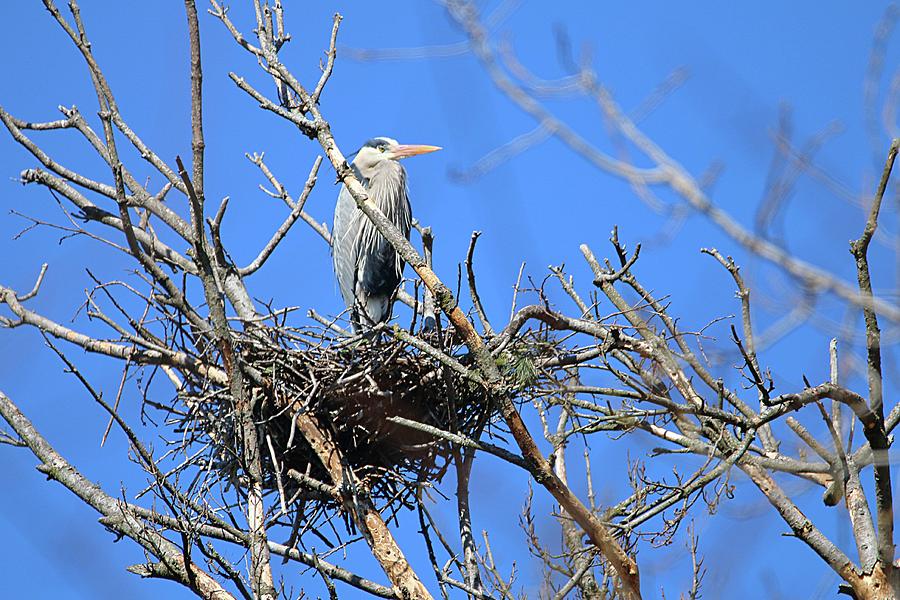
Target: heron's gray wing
<point>345,245</point>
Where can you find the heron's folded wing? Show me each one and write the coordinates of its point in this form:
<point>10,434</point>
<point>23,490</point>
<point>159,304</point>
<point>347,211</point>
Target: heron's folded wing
<point>380,275</point>
<point>344,245</point>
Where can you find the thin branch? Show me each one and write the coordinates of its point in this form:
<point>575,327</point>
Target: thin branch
<point>37,286</point>
<point>875,433</point>
<point>329,63</point>
<point>473,290</point>
<point>116,514</point>
<point>286,225</point>
<point>197,142</point>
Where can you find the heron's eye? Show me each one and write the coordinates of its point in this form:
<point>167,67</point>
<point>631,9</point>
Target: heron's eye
<point>382,148</point>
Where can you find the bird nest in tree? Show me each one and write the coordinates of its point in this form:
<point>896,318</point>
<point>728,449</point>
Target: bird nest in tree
<point>355,390</point>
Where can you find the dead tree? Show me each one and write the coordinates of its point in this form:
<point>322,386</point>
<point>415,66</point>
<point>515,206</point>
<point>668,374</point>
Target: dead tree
<point>295,429</point>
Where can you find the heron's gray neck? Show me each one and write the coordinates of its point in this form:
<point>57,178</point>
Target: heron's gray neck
<point>387,186</point>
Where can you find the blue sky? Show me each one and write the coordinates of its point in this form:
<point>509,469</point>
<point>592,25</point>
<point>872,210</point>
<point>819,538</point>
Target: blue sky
<point>745,62</point>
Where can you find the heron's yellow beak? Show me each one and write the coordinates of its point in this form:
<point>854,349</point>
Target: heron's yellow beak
<point>405,151</point>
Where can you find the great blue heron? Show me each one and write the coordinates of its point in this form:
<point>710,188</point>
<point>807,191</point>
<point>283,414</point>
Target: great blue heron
<point>368,268</point>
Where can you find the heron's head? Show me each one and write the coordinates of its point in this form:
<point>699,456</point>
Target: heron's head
<point>382,151</point>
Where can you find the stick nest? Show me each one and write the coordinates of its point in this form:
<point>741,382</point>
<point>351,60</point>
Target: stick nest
<point>353,389</point>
